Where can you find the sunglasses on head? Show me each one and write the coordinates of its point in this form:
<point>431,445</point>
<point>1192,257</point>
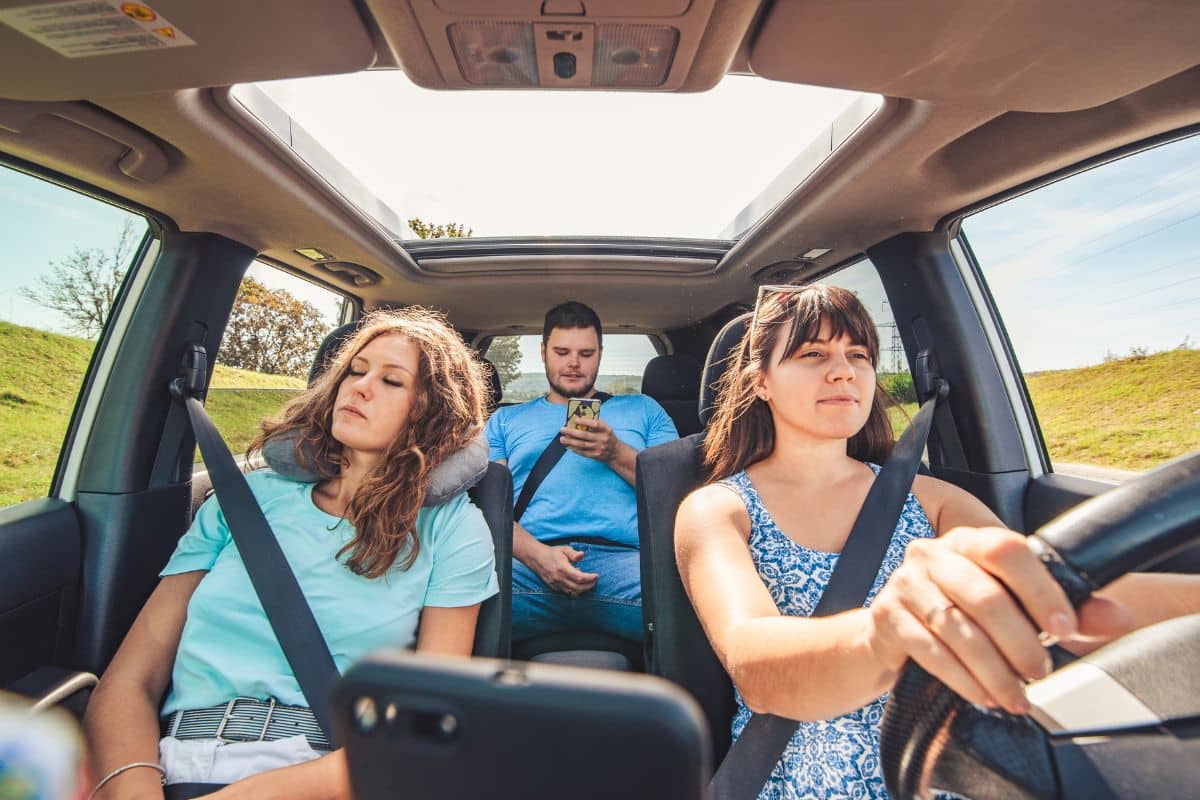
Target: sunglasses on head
<point>783,291</point>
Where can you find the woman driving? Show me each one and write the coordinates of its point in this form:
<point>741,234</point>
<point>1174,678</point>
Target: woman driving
<point>792,449</point>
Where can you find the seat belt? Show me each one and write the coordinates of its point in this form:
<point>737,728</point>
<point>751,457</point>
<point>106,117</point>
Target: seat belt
<point>274,581</point>
<point>541,468</point>
<point>749,763</point>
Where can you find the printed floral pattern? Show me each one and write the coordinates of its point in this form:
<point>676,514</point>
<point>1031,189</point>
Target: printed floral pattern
<point>837,758</point>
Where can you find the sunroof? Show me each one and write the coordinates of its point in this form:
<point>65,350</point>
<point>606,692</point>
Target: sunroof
<point>541,163</point>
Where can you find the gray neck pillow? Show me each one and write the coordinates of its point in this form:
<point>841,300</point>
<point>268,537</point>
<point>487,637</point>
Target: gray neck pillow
<point>455,475</point>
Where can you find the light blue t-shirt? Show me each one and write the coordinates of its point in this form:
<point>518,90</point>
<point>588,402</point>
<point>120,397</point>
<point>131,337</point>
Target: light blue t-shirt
<point>228,648</point>
<point>580,496</point>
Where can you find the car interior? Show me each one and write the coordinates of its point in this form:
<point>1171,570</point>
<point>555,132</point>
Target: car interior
<point>978,103</point>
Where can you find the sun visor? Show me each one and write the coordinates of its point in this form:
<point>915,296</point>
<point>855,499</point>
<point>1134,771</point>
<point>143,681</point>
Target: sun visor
<point>107,48</point>
<point>1022,55</point>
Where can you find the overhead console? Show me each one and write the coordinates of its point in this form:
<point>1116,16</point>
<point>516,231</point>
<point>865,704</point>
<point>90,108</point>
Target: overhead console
<point>666,45</point>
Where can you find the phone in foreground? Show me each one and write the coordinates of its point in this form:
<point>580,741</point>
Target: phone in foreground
<point>582,408</point>
<point>418,726</point>
<point>41,755</point>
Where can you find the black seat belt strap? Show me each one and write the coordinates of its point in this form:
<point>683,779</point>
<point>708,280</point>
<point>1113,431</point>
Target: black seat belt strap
<point>748,764</point>
<point>274,582</point>
<point>541,468</point>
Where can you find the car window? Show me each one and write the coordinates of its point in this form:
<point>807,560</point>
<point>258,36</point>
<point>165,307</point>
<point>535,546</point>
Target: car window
<point>862,278</point>
<point>1097,279</point>
<point>522,377</point>
<point>277,323</point>
<point>66,256</point>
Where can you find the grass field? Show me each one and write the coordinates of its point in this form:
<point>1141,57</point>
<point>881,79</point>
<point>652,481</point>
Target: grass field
<point>1130,414</point>
<point>40,376</point>
<point>1133,413</point>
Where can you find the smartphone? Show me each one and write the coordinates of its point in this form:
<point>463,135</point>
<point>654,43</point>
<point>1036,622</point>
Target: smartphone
<point>421,726</point>
<point>582,408</point>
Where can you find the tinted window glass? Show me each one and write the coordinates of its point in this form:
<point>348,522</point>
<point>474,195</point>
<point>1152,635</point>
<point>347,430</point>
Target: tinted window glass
<point>66,256</point>
<point>862,279</point>
<point>518,360</point>
<point>277,324</point>
<point>1098,280</point>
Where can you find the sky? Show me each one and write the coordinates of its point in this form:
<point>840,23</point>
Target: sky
<point>1092,266</point>
<point>510,163</point>
<point>1100,263</point>
<point>42,224</point>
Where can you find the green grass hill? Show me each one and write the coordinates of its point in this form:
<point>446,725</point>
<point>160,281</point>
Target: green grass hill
<point>1133,413</point>
<point>40,376</point>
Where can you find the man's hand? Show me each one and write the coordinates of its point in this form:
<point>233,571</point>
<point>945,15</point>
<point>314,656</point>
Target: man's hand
<point>598,441</point>
<point>556,567</point>
<point>601,443</point>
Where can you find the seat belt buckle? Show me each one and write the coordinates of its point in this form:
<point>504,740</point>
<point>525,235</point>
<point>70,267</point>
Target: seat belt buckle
<point>193,374</point>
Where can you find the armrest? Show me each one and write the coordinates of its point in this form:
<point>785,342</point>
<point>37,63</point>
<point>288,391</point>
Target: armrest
<point>54,686</point>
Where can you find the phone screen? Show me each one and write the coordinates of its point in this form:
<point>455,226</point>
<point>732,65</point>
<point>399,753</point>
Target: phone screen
<point>582,408</point>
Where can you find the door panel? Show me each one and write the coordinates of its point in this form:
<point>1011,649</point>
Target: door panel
<point>1051,495</point>
<point>41,554</point>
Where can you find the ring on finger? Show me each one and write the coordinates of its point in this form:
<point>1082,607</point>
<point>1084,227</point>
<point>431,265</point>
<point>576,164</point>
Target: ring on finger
<point>940,609</point>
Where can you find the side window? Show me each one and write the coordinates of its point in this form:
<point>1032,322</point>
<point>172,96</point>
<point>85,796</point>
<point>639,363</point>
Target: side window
<point>522,376</point>
<point>65,256</point>
<point>862,278</point>
<point>277,323</point>
<point>1098,281</point>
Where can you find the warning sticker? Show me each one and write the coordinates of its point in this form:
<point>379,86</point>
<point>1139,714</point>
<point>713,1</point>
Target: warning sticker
<point>85,28</point>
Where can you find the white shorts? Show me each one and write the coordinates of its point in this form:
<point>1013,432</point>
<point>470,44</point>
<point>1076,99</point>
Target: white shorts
<point>215,761</point>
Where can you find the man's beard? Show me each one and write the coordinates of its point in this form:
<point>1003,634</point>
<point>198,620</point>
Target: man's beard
<point>584,392</point>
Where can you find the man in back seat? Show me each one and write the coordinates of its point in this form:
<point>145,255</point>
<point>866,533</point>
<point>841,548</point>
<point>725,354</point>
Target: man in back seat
<point>575,539</point>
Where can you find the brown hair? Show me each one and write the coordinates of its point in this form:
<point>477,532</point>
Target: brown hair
<point>446,414</point>
<point>742,430</point>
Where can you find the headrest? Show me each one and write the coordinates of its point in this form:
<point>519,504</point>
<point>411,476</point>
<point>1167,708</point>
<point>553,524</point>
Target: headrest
<point>330,345</point>
<point>675,377</point>
<point>718,358</point>
<point>493,377</point>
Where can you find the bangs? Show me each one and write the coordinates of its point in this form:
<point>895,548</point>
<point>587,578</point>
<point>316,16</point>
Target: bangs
<point>815,306</point>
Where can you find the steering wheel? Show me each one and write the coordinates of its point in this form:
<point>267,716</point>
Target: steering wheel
<point>1121,722</point>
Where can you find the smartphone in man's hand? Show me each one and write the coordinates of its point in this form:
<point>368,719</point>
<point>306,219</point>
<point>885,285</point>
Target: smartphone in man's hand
<point>582,408</point>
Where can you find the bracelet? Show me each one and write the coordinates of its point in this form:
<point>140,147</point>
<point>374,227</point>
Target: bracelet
<point>119,770</point>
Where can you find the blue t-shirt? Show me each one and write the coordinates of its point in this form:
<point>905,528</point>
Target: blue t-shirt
<point>580,496</point>
<point>228,648</point>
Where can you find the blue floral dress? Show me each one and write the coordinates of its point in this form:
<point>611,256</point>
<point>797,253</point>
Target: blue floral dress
<point>836,758</point>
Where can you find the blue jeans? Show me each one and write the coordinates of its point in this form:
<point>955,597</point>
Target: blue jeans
<point>613,605</point>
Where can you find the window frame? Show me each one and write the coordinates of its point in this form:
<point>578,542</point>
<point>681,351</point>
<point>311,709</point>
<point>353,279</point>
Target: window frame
<point>1033,441</point>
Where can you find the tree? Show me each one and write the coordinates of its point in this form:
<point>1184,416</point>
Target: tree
<point>427,230</point>
<point>505,353</point>
<point>271,331</point>
<point>84,285</point>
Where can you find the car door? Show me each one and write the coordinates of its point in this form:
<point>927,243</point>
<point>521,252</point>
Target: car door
<point>102,299</point>
<point>1092,284</point>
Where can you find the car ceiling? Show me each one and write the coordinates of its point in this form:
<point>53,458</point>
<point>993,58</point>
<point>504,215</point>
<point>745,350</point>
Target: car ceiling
<point>979,98</point>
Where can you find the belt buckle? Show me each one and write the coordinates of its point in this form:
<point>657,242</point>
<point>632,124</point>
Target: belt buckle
<point>231,707</point>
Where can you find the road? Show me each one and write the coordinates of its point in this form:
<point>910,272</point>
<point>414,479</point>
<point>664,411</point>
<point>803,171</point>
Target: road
<point>1094,473</point>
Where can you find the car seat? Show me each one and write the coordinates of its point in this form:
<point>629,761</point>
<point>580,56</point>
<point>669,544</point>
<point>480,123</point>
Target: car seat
<point>674,381</point>
<point>676,646</point>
